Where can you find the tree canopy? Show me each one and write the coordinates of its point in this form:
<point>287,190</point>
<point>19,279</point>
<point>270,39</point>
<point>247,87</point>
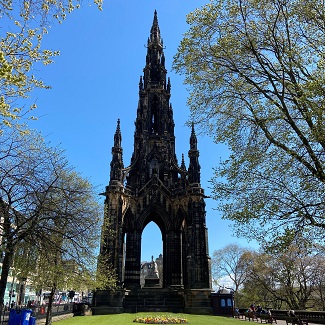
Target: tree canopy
<point>255,71</point>
<point>46,208</point>
<point>228,262</point>
<point>23,26</point>
<point>292,278</point>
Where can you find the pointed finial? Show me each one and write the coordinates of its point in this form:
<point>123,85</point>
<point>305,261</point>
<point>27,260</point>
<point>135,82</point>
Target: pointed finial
<point>193,130</point>
<point>140,84</point>
<point>168,85</point>
<point>183,166</point>
<point>117,136</point>
<point>155,32</point>
<point>193,140</point>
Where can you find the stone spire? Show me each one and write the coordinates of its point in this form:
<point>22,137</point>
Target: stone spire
<point>154,140</point>
<point>194,166</point>
<point>117,156</point>
<point>155,72</point>
<point>155,31</point>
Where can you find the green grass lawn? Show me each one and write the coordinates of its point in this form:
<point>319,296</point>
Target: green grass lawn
<point>127,319</point>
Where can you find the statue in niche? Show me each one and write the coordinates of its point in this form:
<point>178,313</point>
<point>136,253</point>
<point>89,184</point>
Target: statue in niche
<point>153,270</point>
<point>152,278</point>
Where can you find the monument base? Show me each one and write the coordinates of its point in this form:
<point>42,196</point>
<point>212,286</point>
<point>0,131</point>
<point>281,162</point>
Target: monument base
<point>108,302</point>
<point>198,301</point>
<point>151,282</point>
<point>175,299</point>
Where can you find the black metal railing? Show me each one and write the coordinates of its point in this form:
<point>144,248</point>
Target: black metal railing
<point>317,317</point>
<point>39,311</point>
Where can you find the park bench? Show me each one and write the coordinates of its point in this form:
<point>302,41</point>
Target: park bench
<point>239,315</point>
<point>296,321</point>
<point>267,319</point>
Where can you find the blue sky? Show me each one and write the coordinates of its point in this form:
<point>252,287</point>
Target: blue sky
<point>95,81</point>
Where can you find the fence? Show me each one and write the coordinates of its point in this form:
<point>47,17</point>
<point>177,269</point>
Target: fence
<point>317,317</point>
<point>314,317</point>
<point>40,312</point>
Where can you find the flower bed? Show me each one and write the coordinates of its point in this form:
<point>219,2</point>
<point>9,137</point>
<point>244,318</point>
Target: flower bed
<point>161,320</point>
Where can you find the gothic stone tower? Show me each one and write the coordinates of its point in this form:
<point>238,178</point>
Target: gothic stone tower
<point>155,188</point>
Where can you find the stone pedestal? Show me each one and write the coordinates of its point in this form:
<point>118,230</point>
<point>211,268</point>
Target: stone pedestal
<point>198,301</point>
<point>151,282</point>
<point>152,278</point>
<point>108,302</point>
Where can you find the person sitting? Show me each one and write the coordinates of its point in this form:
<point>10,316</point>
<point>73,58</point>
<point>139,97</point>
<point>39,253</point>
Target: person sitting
<point>236,312</point>
<point>250,314</point>
<point>259,309</point>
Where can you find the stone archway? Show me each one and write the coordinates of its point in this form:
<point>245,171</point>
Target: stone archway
<point>172,246</point>
<point>151,272</point>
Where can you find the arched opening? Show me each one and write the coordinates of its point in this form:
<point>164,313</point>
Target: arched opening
<point>151,254</point>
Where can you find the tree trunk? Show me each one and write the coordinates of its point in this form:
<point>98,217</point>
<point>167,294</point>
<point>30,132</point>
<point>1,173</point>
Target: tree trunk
<point>8,250</point>
<point>6,264</point>
<point>49,307</point>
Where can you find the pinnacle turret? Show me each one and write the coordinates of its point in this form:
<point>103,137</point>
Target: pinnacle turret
<point>193,139</point>
<point>194,175</point>
<point>117,156</point>
<point>118,136</point>
<point>183,166</point>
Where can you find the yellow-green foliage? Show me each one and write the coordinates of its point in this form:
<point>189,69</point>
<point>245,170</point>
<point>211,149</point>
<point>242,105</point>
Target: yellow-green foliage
<point>23,26</point>
<point>255,71</point>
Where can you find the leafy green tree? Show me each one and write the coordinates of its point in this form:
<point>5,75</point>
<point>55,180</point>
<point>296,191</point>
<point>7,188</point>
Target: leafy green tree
<point>25,177</point>
<point>259,292</point>
<point>46,207</point>
<point>289,278</point>
<point>67,250</point>
<point>23,26</point>
<point>318,300</point>
<point>255,70</point>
